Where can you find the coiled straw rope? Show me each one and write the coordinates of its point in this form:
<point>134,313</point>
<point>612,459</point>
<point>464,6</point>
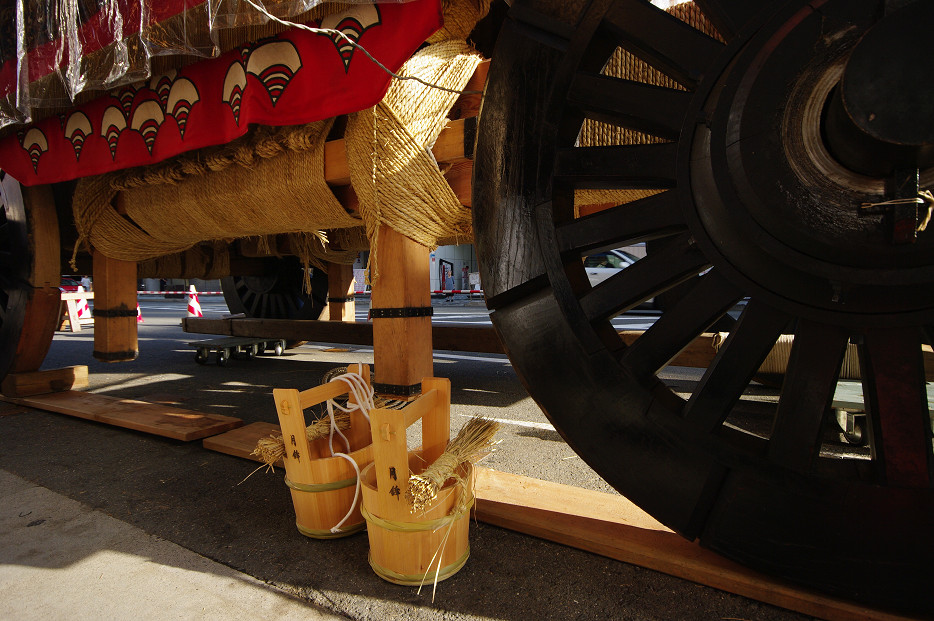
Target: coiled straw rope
<point>174,205</point>
<point>393,172</point>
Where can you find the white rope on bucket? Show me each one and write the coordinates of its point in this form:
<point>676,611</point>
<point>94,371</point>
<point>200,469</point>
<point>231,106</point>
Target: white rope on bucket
<point>363,395</point>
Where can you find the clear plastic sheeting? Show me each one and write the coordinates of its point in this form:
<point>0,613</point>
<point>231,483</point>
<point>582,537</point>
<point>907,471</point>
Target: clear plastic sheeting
<point>53,51</point>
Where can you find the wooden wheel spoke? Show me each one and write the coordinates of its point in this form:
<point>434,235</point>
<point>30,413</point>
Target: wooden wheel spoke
<point>664,41</point>
<point>807,393</point>
<point>641,220</point>
<point>675,263</point>
<point>896,402</point>
<point>254,305</point>
<point>729,16</point>
<point>751,340</point>
<point>647,166</point>
<point>642,107</point>
<point>706,302</point>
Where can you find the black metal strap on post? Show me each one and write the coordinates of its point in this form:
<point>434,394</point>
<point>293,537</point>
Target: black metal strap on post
<point>397,313</point>
<point>340,300</point>
<point>114,312</point>
<point>397,390</point>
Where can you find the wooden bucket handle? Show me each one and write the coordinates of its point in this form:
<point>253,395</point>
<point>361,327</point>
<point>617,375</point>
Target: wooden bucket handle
<point>390,450</point>
<point>291,405</point>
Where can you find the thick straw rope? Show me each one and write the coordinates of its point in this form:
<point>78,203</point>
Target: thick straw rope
<point>394,174</point>
<point>173,206</point>
<point>202,261</point>
<point>460,18</point>
<point>627,66</point>
<point>777,360</point>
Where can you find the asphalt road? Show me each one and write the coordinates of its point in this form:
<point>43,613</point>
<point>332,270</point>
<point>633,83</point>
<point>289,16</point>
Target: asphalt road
<point>199,499</point>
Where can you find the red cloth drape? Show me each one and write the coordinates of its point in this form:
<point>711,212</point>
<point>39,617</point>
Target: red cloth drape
<point>295,77</point>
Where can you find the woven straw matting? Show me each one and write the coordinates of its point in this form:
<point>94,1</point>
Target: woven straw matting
<point>627,66</point>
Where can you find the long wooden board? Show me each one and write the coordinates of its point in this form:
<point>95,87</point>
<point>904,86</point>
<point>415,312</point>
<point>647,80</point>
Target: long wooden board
<point>160,420</point>
<point>614,527</point>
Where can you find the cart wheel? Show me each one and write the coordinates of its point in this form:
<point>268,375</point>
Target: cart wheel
<point>252,351</point>
<point>278,295</point>
<point>29,275</point>
<point>201,356</point>
<point>261,348</point>
<point>280,347</point>
<point>223,355</point>
<point>752,174</point>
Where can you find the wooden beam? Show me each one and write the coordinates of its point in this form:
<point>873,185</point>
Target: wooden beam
<point>27,384</point>
<point>115,335</point>
<point>402,349</point>
<point>445,336</point>
<point>160,420</point>
<point>448,149</point>
<point>614,527</point>
<point>341,306</point>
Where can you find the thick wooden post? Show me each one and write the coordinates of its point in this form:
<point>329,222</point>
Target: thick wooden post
<point>401,314</point>
<point>341,306</point>
<point>115,337</point>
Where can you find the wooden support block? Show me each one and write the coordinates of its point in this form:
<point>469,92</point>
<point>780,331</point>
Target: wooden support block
<point>402,349</point>
<point>341,306</point>
<point>31,383</point>
<point>240,442</point>
<point>160,420</point>
<point>115,327</point>
<point>614,527</point>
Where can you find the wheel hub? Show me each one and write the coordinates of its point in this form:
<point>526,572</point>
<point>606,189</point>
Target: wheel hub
<point>782,207</point>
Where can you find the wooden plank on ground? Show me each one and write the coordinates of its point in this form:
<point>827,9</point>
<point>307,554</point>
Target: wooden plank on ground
<point>240,442</point>
<point>160,420</point>
<point>42,382</point>
<point>614,527</point>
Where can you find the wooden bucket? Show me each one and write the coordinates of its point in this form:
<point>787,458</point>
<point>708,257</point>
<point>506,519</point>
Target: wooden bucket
<point>420,549</point>
<point>431,545</point>
<point>323,487</point>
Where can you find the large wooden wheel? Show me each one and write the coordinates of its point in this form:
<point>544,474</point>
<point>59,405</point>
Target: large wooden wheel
<point>278,294</point>
<point>29,275</point>
<point>763,153</point>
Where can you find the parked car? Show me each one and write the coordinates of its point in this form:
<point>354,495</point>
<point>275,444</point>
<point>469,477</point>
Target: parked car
<point>69,284</point>
<point>602,265</point>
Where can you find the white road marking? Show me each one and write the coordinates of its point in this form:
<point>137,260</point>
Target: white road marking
<point>518,423</point>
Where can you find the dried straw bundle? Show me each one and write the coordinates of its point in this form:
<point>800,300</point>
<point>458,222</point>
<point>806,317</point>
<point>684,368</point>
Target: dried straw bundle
<point>272,449</point>
<point>474,442</point>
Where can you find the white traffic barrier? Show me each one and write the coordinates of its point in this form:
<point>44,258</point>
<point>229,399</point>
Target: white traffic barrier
<point>84,313</point>
<point>194,306</point>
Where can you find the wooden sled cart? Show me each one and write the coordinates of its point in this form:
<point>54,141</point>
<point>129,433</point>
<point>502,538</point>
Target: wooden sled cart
<point>746,143</point>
